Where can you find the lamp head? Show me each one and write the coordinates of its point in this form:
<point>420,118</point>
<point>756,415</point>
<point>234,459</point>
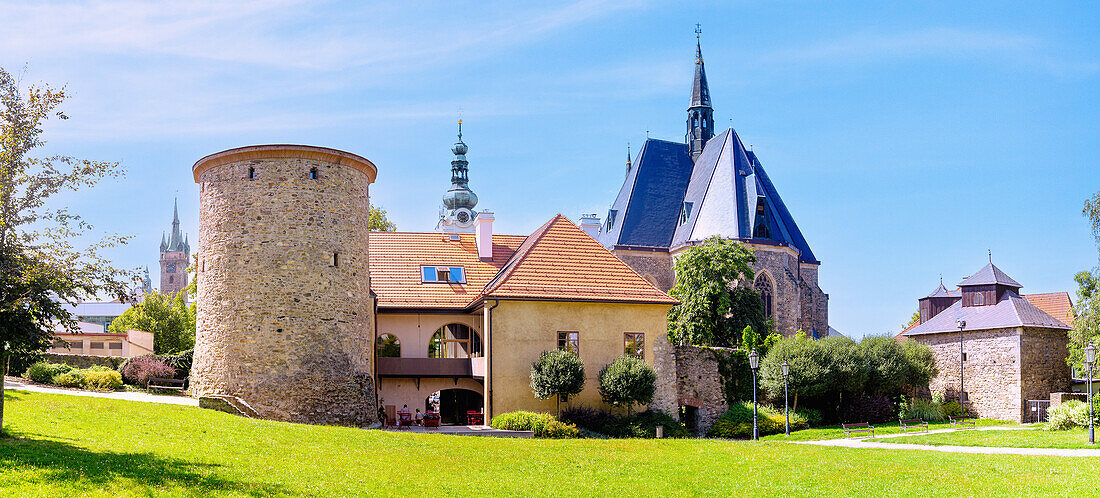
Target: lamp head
<point>962,323</point>
<point>786,368</point>
<point>1090,353</point>
<point>754,360</point>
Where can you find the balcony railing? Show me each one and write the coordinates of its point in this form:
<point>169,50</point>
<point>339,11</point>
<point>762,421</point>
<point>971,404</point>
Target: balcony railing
<point>431,367</point>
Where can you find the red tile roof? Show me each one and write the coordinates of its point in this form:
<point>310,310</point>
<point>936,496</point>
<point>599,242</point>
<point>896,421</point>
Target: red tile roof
<point>557,262</point>
<point>560,261</point>
<point>395,259</point>
<point>1056,304</point>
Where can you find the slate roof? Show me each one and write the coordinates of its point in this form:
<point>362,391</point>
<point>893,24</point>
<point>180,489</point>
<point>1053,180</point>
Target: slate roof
<point>700,91</point>
<point>990,274</point>
<point>942,291</point>
<point>648,203</point>
<point>723,186</point>
<point>559,261</point>
<point>1011,311</point>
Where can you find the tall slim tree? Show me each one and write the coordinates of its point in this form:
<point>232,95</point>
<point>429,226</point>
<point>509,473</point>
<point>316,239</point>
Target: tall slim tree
<point>41,265</point>
<point>1086,322</point>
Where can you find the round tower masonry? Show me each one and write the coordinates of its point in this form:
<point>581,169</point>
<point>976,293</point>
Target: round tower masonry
<point>285,315</point>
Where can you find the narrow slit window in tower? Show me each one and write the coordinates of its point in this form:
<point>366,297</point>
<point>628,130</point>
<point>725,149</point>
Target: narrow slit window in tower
<point>312,173</point>
<point>335,259</point>
<point>251,173</point>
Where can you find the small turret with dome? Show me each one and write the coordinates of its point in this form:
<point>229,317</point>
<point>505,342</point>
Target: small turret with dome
<point>458,212</point>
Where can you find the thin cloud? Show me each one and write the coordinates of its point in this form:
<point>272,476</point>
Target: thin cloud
<point>864,47</point>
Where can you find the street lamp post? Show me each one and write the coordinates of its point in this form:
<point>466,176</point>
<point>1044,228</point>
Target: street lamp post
<point>786,397</point>
<point>754,363</point>
<point>962,356</point>
<point>1090,358</point>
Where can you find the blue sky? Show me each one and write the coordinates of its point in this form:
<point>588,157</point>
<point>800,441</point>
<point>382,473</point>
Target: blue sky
<point>905,140</point>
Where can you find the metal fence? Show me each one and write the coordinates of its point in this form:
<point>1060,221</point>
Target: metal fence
<point>1037,410</point>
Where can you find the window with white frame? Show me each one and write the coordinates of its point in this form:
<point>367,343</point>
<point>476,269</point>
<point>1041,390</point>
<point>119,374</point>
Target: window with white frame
<point>443,274</point>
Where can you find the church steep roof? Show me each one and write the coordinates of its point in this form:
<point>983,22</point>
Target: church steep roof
<point>730,195</point>
<point>700,91</point>
<point>990,274</point>
<point>644,213</point>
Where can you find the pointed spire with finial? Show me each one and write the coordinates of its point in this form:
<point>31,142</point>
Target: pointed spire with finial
<point>629,164</point>
<point>460,195</point>
<point>700,122</point>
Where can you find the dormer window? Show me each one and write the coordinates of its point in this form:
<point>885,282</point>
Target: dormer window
<point>685,212</point>
<point>611,219</point>
<point>443,274</point>
<point>760,223</point>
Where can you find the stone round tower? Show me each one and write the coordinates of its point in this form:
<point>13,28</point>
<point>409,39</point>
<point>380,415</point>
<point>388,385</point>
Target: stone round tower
<point>285,315</point>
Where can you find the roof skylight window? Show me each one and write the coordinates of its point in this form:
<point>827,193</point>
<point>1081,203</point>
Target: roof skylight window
<point>443,274</point>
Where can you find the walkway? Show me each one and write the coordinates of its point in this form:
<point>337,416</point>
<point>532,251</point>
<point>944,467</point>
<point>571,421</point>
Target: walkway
<point>986,450</point>
<point>22,385</point>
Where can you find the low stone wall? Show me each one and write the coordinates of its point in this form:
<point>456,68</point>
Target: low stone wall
<point>83,360</point>
<point>689,376</point>
<point>1059,398</point>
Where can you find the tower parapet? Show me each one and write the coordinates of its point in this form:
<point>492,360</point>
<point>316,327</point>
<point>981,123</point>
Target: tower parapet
<point>285,315</point>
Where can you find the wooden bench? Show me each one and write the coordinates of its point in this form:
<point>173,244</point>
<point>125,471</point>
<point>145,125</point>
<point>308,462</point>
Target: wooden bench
<point>850,429</point>
<point>957,421</point>
<point>913,423</point>
<point>170,384</point>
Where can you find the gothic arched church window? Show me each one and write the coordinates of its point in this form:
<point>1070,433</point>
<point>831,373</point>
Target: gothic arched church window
<point>764,287</point>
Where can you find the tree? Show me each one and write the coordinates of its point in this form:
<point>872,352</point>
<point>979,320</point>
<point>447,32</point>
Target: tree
<point>1086,320</point>
<point>378,221</point>
<point>713,310</point>
<point>888,368</point>
<point>627,381</point>
<point>809,365</point>
<point>913,319</point>
<point>41,266</point>
<point>557,373</point>
<point>170,319</point>
<point>922,365</point>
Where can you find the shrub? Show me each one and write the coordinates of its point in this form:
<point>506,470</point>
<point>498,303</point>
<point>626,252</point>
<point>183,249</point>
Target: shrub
<point>812,417</point>
<point>588,418</point>
<point>543,425</point>
<point>626,381</point>
<point>102,379</point>
<point>638,425</point>
<point>140,369</point>
<point>924,408</point>
<point>873,408</point>
<point>737,422</point>
<point>952,409</point>
<point>557,373</point>
<point>72,378</point>
<point>180,361</point>
<point>1068,415</point>
<point>43,372</point>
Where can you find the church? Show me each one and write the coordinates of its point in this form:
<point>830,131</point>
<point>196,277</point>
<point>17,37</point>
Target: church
<point>677,194</point>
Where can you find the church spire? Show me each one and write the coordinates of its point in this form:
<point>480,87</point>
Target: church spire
<point>459,201</point>
<point>700,122</point>
<point>629,164</point>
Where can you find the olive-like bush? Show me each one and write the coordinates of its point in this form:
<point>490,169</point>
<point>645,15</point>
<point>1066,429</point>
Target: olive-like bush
<point>100,378</point>
<point>43,371</point>
<point>627,381</point>
<point>72,378</point>
<point>1068,415</point>
<point>543,425</point>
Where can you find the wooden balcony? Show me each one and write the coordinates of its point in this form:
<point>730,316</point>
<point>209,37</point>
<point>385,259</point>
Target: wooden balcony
<point>432,367</point>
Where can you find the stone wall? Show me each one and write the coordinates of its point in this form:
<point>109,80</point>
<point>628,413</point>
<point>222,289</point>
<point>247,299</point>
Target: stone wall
<point>285,318</point>
<point>82,360</point>
<point>992,370</point>
<point>654,266</point>
<point>1043,365</point>
<point>689,376</point>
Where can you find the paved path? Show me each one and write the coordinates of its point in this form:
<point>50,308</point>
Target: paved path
<point>986,450</point>
<point>21,385</point>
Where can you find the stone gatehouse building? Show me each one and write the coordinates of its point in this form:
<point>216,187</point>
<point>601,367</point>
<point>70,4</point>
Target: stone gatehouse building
<point>1010,351</point>
<point>676,195</point>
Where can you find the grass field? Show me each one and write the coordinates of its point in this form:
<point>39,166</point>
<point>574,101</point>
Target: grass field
<point>68,445</point>
<point>835,431</point>
<point>1023,438</point>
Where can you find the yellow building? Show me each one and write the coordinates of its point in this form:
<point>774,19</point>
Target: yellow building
<point>461,317</point>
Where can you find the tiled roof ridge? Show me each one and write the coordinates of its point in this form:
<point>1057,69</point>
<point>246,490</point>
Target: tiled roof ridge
<point>521,254</point>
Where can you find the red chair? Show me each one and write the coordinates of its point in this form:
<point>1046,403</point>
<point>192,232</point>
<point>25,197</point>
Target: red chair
<point>404,420</point>
<point>475,418</point>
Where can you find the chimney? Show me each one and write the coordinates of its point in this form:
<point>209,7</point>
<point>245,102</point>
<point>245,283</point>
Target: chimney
<point>483,231</point>
<point>590,223</point>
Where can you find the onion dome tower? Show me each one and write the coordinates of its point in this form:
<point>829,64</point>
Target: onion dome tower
<point>457,215</point>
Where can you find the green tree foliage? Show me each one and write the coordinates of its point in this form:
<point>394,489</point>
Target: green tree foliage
<point>713,310</point>
<point>627,381</point>
<point>170,319</point>
<point>557,373</point>
<point>41,265</point>
<point>830,373</point>
<point>1086,322</point>
<point>378,221</point>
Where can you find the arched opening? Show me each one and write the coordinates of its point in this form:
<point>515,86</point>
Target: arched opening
<point>454,405</point>
<point>389,346</point>
<point>455,340</point>
<point>766,288</point>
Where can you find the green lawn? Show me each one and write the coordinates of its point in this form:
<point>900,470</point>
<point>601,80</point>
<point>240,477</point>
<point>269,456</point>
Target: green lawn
<point>69,445</point>
<point>836,432</point>
<point>1024,438</point>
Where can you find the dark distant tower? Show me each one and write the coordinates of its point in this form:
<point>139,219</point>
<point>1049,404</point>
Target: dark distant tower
<point>700,122</point>
<point>175,255</point>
